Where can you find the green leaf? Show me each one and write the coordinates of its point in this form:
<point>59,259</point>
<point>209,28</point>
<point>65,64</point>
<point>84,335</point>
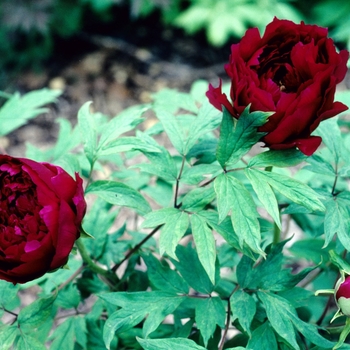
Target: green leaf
<point>207,120</point>
<point>279,317</point>
<point>134,308</point>
<point>232,195</point>
<point>18,109</point>
<point>69,297</point>
<point>63,336</point>
<point>319,165</point>
<point>266,195</point>
<point>7,336</point>
<point>278,158</point>
<point>243,308</point>
<point>127,120</point>
<point>27,342</point>
<point>158,217</point>
<point>172,128</point>
<point>209,313</point>
<point>339,262</point>
<point>191,269</point>
<point>238,136</point>
<point>169,343</point>
<point>337,221</point>
<point>36,313</point>
<point>8,291</point>
<point>294,190</point>
<point>67,139</point>
<point>269,274</point>
<point>205,245</point>
<point>97,222</point>
<point>88,132</point>
<point>173,100</point>
<point>163,277</point>
<point>311,249</point>
<point>200,172</point>
<point>124,144</point>
<point>162,165</point>
<point>331,136</point>
<point>283,316</point>
<point>198,198</point>
<point>119,194</point>
<point>263,337</point>
<point>225,229</point>
<point>174,228</point>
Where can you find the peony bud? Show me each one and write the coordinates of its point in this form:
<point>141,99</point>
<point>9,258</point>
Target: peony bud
<point>342,295</point>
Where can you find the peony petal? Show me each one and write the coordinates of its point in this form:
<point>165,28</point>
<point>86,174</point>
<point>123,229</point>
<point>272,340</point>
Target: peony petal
<point>218,99</point>
<point>31,246</point>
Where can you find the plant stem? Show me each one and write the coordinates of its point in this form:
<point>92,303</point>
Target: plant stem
<point>176,205</point>
<point>335,179</point>
<point>136,248</point>
<point>71,278</point>
<point>228,318</point>
<point>109,275</point>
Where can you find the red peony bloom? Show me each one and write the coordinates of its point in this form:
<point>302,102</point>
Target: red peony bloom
<point>41,209</point>
<point>291,70</point>
<point>342,295</point>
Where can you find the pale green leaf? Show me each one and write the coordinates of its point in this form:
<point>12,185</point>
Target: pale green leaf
<point>205,245</point>
<point>198,198</point>
<point>124,144</point>
<point>127,120</point>
<point>8,291</point>
<point>232,195</point>
<point>169,343</point>
<point>331,136</point>
<point>88,132</point>
<point>135,307</point>
<point>162,165</point>
<point>284,318</point>
<point>266,195</point>
<point>8,335</point>
<point>63,336</point>
<point>171,233</point>
<point>27,342</point>
<point>295,190</point>
<point>17,110</point>
<point>208,119</point>
<point>337,221</point>
<point>278,158</point>
<point>119,194</point>
<point>36,313</point>
<point>158,217</point>
<point>172,128</point>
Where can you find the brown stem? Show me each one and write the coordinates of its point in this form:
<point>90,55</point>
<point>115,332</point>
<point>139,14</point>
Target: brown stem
<point>136,248</point>
<point>176,205</point>
<point>71,278</point>
<point>228,318</point>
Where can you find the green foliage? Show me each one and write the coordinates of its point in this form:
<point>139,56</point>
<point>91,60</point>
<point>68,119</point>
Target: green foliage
<point>187,241</point>
<point>228,19</point>
<point>17,109</point>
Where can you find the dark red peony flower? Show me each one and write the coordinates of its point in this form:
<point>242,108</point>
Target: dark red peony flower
<point>342,295</point>
<point>41,209</point>
<point>291,70</point>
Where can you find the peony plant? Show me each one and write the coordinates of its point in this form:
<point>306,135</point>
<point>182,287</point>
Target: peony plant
<point>212,228</point>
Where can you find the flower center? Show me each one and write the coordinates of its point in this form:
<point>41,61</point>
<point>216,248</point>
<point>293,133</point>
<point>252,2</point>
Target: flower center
<point>20,220</point>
